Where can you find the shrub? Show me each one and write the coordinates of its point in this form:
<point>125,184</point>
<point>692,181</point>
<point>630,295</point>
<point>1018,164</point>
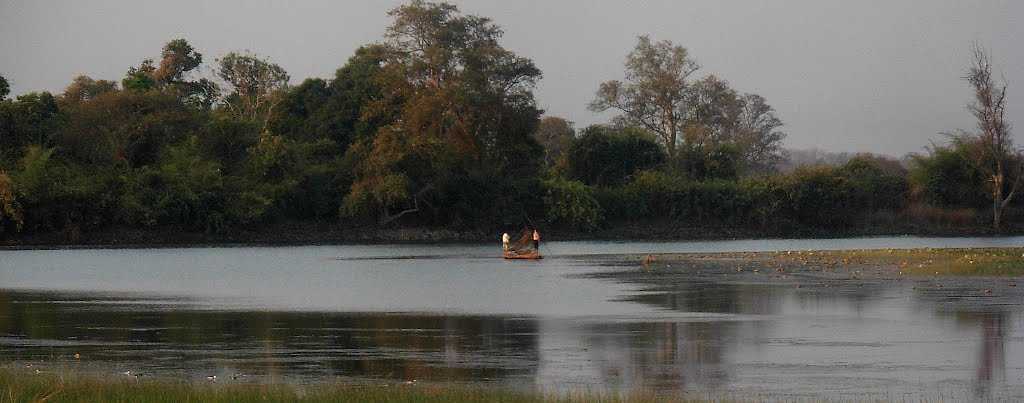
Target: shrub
<point>571,204</point>
<point>603,156</point>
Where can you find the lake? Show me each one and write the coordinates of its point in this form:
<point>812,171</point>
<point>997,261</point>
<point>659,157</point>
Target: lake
<point>457,313</point>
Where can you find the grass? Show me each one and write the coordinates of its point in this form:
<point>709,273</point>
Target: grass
<point>997,262</point>
<point>21,386</point>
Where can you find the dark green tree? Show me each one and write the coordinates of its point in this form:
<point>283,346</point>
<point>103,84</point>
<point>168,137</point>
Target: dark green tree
<point>946,177</point>
<point>5,88</point>
<point>605,156</point>
<point>461,148</point>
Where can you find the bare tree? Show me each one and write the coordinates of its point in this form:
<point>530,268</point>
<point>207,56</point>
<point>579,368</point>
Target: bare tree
<point>655,92</point>
<point>994,153</point>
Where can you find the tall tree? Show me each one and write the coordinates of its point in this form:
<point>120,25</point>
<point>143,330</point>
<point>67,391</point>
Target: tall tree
<point>994,153</point>
<point>254,82</point>
<point>758,135</point>
<point>655,94</point>
<point>334,110</point>
<point>464,122</point>
<point>555,135</point>
<point>84,88</point>
<point>5,88</point>
<point>721,116</point>
<point>178,61</point>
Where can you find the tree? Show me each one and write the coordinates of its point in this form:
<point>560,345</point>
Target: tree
<point>604,156</point>
<point>460,136</point>
<point>993,152</point>
<point>84,88</point>
<point>334,110</point>
<point>254,82</point>
<point>140,78</point>
<point>5,88</point>
<point>655,94</point>
<point>720,116</point>
<point>555,135</point>
<point>177,59</point>
<point>875,182</point>
<point>32,118</point>
<point>125,127</point>
<point>758,136</point>
<point>947,177</point>
<point>10,211</point>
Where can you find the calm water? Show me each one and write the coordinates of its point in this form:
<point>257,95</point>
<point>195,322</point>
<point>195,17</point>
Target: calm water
<point>455,313</point>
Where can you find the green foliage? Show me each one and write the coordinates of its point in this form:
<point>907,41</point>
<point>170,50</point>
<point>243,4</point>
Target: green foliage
<point>338,110</point>
<point>946,177</point>
<point>140,78</point>
<point>30,119</point>
<point>59,196</point>
<point>84,88</point>
<point>254,81</point>
<point>5,88</point>
<point>228,141</point>
<point>462,113</point>
<point>435,126</point>
<point>810,197</point>
<point>10,211</point>
<point>721,161</point>
<point>125,127</point>
<point>571,204</point>
<point>188,189</point>
<point>872,177</point>
<point>819,197</point>
<point>604,156</point>
<point>71,387</point>
<point>555,135</point>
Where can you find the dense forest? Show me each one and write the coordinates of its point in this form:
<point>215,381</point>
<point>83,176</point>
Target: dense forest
<point>436,126</point>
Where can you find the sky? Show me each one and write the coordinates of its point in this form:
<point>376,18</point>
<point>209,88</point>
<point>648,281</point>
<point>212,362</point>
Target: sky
<point>879,76</point>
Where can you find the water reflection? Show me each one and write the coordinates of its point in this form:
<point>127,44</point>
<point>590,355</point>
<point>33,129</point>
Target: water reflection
<point>716,331</point>
<point>40,327</point>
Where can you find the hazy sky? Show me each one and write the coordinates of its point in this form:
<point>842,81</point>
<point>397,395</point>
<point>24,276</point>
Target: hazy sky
<point>844,75</point>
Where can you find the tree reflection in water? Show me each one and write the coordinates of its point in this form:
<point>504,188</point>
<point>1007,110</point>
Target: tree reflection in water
<point>703,336</point>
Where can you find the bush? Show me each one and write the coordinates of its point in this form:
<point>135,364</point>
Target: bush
<point>61,196</point>
<point>10,211</point>
<point>876,183</point>
<point>571,204</point>
<point>819,197</point>
<point>602,156</point>
<point>945,177</point>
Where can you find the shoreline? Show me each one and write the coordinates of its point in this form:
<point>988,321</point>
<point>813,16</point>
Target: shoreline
<point>312,234</point>
<point>849,264</point>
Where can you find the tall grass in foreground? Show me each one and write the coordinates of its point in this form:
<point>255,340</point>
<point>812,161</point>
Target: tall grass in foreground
<point>18,386</point>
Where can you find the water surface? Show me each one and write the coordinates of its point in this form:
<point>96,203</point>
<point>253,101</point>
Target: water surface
<point>456,313</point>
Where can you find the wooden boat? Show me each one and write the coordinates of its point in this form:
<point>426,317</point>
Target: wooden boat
<point>529,255</point>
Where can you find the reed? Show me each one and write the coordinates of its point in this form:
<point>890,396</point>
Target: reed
<point>22,386</point>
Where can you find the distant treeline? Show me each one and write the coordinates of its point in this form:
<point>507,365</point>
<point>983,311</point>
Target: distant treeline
<point>437,126</point>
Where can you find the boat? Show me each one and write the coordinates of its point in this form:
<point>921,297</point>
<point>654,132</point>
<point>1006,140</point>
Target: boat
<point>523,248</point>
<point>528,255</point>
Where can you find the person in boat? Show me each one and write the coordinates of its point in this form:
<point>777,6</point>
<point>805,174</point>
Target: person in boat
<point>536,240</point>
<point>504,242</point>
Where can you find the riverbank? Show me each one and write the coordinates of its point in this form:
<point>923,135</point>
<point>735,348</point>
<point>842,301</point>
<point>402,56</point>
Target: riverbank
<point>859,263</point>
<point>18,386</point>
<point>323,233</point>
